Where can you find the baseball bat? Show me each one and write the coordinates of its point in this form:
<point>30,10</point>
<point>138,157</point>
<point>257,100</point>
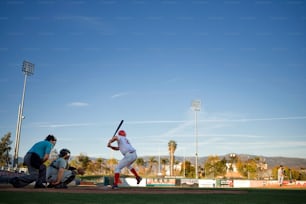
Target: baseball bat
<point>118,127</point>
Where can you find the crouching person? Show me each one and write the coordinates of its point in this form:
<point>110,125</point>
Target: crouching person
<point>59,174</point>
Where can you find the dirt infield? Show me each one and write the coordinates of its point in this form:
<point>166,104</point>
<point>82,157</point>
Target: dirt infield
<point>125,190</point>
<point>93,189</point>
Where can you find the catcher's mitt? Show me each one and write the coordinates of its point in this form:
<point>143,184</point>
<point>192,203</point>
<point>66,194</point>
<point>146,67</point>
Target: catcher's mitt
<point>81,171</point>
<point>71,168</point>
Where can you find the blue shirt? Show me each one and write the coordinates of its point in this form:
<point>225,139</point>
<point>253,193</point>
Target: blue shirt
<point>42,148</point>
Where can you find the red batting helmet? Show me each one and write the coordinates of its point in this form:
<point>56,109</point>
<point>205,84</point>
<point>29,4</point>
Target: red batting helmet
<point>122,133</point>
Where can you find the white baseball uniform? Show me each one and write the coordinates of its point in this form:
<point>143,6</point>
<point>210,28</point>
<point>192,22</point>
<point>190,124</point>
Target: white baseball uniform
<point>128,151</point>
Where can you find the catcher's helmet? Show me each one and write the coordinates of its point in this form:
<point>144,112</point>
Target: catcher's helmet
<point>122,133</point>
<point>64,152</point>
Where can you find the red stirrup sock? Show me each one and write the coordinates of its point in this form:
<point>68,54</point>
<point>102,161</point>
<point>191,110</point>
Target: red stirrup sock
<point>116,180</point>
<point>134,172</point>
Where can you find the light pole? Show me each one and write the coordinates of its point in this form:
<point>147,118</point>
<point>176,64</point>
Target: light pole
<point>184,163</point>
<point>28,69</point>
<point>233,161</point>
<point>196,106</point>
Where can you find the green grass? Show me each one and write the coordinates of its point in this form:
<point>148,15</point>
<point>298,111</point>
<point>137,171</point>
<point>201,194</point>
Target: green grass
<point>260,196</point>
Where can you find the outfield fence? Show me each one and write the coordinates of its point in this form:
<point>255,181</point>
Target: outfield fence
<point>200,183</point>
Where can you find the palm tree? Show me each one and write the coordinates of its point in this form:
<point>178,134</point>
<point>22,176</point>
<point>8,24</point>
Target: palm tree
<point>171,147</point>
<point>187,169</point>
<point>140,164</point>
<point>111,163</point>
<point>164,161</point>
<point>152,161</point>
<point>100,165</point>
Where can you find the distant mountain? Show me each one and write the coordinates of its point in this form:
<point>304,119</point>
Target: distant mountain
<point>271,161</point>
<point>276,161</point>
<point>285,161</point>
<point>290,162</point>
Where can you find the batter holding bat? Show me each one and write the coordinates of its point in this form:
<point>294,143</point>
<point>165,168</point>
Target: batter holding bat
<point>129,156</point>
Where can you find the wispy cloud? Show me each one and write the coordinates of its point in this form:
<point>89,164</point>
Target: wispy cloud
<point>233,135</point>
<point>62,125</point>
<point>255,119</point>
<point>78,104</point>
<point>217,120</point>
<point>119,95</point>
<point>156,122</point>
<point>259,145</point>
<point>179,128</point>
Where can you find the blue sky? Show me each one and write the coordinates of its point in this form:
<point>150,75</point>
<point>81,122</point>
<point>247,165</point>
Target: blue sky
<point>98,62</point>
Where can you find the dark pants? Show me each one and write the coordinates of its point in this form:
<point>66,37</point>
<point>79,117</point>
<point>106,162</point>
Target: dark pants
<point>37,175</point>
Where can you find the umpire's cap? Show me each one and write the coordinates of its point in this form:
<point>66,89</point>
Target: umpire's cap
<point>50,138</point>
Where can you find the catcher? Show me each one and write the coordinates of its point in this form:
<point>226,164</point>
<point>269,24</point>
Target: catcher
<point>59,174</point>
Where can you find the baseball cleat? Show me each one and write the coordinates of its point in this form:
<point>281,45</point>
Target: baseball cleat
<point>15,182</point>
<point>39,185</point>
<point>61,185</point>
<point>138,179</point>
<point>115,186</point>
<point>50,185</point>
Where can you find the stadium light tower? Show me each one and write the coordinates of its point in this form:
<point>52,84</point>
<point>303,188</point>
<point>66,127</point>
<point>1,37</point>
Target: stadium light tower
<point>196,106</point>
<point>28,69</point>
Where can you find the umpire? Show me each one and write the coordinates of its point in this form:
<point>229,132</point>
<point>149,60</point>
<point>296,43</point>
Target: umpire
<point>34,160</point>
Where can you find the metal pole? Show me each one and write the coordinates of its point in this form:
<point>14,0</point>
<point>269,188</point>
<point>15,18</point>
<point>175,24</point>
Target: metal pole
<point>15,161</point>
<point>184,164</point>
<point>196,105</point>
<point>19,123</point>
<point>158,174</point>
<point>196,142</point>
<point>28,69</point>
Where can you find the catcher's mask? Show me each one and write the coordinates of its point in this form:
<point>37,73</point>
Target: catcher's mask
<point>122,133</point>
<point>64,152</point>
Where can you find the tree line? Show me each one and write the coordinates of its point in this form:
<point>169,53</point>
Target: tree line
<point>213,167</point>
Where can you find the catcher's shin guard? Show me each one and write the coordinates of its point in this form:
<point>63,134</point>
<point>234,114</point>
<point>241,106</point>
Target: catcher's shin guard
<point>71,178</point>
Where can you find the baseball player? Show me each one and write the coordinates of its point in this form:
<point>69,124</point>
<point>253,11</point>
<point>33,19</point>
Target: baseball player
<point>59,174</point>
<point>129,156</point>
<point>280,175</point>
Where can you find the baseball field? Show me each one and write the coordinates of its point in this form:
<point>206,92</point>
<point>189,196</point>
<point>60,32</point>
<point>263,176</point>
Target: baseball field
<point>95,195</point>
